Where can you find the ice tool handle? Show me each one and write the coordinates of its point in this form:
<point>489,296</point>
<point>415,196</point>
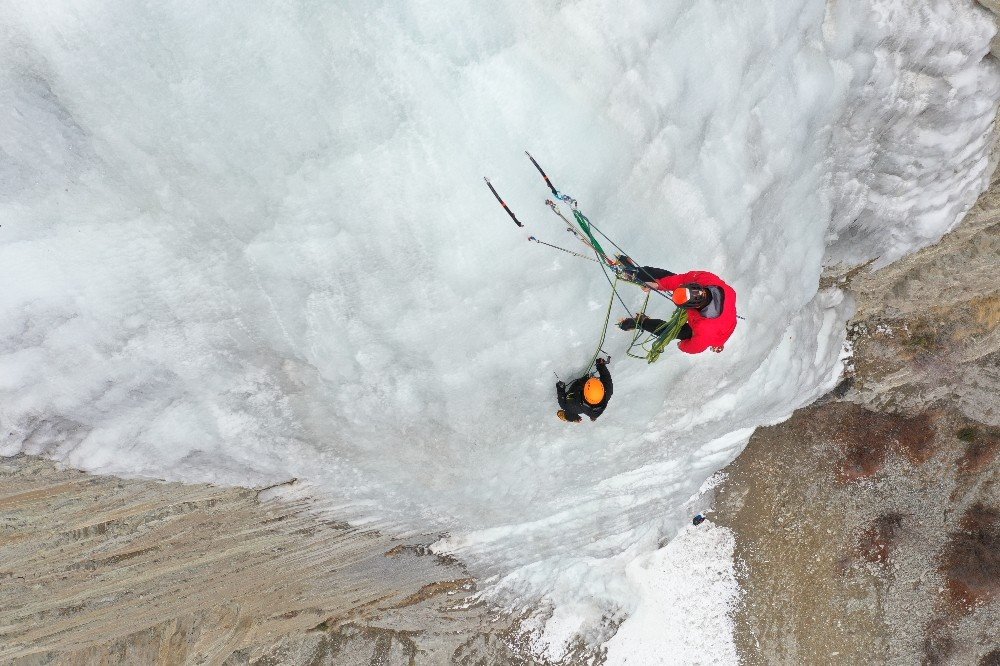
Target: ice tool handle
<point>556,193</point>
<point>502,202</point>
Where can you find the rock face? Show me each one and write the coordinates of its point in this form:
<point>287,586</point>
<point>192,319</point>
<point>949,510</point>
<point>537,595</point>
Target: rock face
<point>104,570</point>
<point>993,6</point>
<point>867,524</point>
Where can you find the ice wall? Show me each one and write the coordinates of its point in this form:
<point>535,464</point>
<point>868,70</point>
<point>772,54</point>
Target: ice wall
<point>911,151</point>
<point>245,243</point>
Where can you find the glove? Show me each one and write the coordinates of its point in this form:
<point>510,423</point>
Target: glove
<point>560,385</point>
<point>602,361</point>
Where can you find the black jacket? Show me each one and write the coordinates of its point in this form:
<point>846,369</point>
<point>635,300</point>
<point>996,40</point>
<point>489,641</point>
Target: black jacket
<point>571,396</point>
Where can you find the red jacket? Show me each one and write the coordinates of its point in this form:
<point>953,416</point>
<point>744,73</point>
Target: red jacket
<point>705,332</point>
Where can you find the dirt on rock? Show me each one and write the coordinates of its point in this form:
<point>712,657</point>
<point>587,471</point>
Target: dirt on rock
<point>96,569</point>
<point>971,558</point>
<point>866,524</point>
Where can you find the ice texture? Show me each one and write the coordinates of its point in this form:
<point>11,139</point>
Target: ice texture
<point>912,150</point>
<point>243,242</point>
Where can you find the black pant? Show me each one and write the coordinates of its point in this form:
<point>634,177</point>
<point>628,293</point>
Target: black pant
<point>650,325</point>
<point>652,273</point>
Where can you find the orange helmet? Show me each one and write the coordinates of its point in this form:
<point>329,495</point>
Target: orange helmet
<point>691,296</point>
<point>593,391</point>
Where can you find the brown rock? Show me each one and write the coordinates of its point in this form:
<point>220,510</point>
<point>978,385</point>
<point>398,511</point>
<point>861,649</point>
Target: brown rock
<point>971,562</point>
<point>867,438</point>
<point>878,541</point>
<point>982,448</point>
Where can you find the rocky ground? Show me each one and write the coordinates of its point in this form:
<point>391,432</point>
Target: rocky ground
<point>100,570</point>
<point>868,525</point>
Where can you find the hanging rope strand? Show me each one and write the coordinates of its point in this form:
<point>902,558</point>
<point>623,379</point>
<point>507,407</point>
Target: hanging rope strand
<point>604,332</point>
<point>623,252</point>
<point>562,249</point>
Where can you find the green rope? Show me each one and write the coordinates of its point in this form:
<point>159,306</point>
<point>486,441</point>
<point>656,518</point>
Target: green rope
<point>604,331</point>
<point>584,223</point>
<point>657,341</point>
<point>667,333</point>
<point>638,331</point>
<point>655,344</point>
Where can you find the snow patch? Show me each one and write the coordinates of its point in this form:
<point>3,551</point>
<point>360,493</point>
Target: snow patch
<point>687,594</point>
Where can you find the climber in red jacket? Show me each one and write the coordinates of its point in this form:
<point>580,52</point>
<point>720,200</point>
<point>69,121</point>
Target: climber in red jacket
<point>710,305</point>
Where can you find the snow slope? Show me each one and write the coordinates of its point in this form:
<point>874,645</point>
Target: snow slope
<point>246,243</point>
<point>687,590</point>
